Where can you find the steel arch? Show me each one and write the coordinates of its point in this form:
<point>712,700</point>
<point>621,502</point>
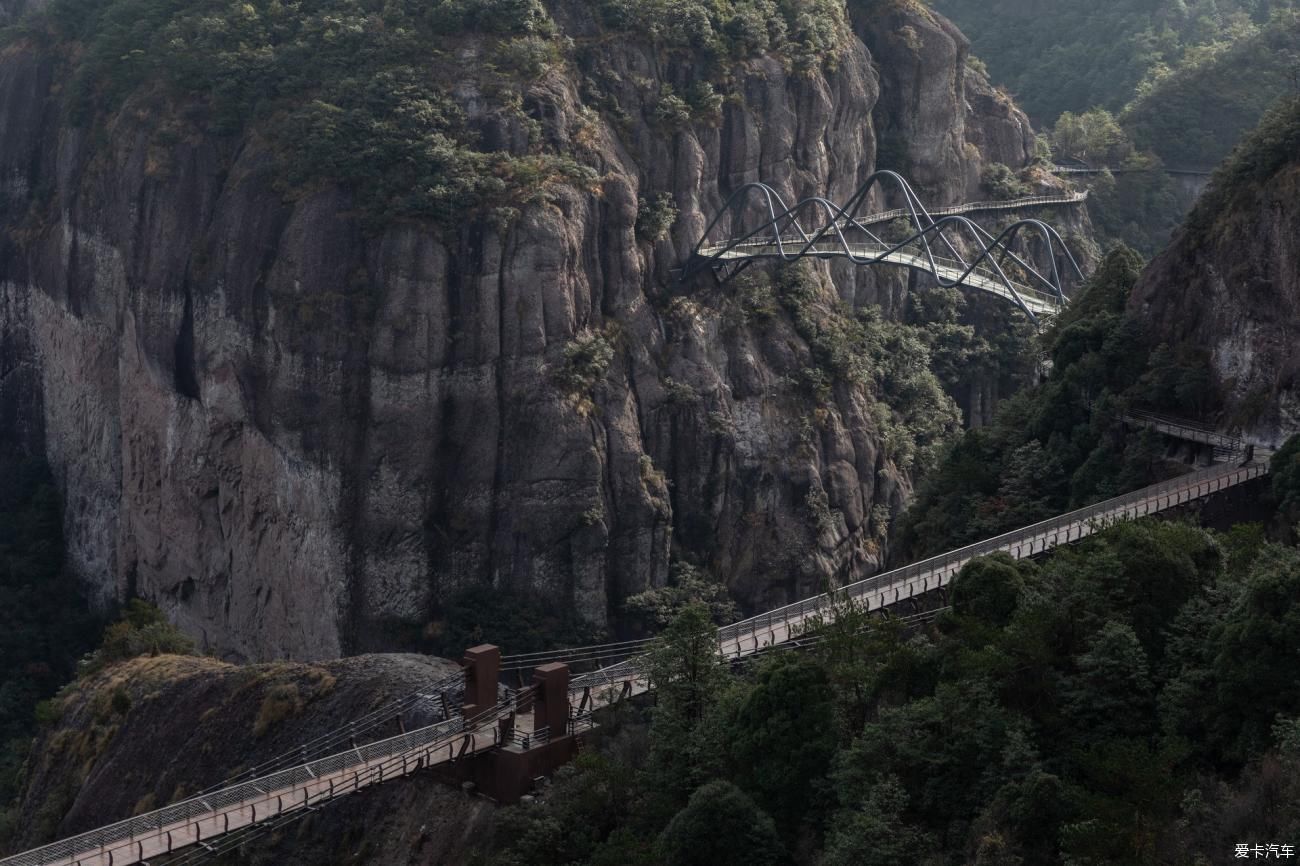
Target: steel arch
<point>790,241</point>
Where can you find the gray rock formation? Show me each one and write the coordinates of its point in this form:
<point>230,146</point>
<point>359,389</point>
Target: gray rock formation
<point>299,438</point>
<point>1229,285</point>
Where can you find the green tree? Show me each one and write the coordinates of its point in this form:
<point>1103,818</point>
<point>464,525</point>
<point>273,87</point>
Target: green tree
<point>1111,694</point>
<point>720,826</point>
<point>687,585</point>
<point>877,834</point>
<point>1284,470</point>
<point>783,738</point>
<point>689,682</point>
<point>1093,136</point>
<point>1256,651</point>
<point>988,589</point>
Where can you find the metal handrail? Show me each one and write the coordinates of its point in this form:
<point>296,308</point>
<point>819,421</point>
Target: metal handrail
<point>938,570</point>
<point>992,251</point>
<point>450,688</point>
<point>210,805</point>
<point>1183,429</point>
<point>993,282</point>
<point>969,207</point>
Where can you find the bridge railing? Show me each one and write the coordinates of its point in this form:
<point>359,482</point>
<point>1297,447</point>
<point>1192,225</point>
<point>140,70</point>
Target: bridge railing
<point>212,804</point>
<point>1045,300</point>
<point>967,207</point>
<point>1068,169</point>
<point>1185,429</point>
<point>445,696</point>
<point>937,570</point>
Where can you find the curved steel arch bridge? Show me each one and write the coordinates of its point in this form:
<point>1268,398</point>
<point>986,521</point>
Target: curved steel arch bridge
<point>835,231</point>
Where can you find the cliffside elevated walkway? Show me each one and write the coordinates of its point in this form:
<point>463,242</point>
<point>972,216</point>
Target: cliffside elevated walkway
<point>761,226</point>
<point>1225,447</point>
<point>498,736</point>
<point>1083,168</point>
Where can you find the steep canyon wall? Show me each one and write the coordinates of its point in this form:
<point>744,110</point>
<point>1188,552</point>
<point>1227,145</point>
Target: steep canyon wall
<point>300,436</point>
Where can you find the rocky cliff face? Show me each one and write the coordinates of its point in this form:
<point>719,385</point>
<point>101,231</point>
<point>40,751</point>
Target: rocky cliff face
<point>295,434</point>
<point>1229,283</point>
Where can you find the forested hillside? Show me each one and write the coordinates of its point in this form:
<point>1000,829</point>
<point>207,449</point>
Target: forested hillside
<point>1139,87</point>
<point>1192,115</point>
<point>1230,280</point>
<point>1064,444</point>
<point>1058,55</point>
<point>1129,701</point>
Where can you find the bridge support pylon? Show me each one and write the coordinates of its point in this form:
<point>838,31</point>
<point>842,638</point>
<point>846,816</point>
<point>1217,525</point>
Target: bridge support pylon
<point>482,671</point>
<point>551,703</point>
<point>535,739</point>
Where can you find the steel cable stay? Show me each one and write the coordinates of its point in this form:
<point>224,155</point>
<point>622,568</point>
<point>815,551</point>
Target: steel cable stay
<point>289,790</point>
<point>377,773</point>
<point>355,728</point>
<point>561,654</point>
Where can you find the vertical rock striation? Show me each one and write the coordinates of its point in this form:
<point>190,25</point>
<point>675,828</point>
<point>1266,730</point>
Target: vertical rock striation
<point>300,437</point>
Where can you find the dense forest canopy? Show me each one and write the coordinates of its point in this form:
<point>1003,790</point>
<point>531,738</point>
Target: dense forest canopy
<point>1196,113</point>
<point>1059,55</point>
<point>1138,87</point>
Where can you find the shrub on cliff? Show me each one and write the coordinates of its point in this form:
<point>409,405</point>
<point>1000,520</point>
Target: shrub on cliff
<point>344,92</point>
<point>143,630</point>
<point>1002,182</point>
<point>889,360</point>
<point>586,359</point>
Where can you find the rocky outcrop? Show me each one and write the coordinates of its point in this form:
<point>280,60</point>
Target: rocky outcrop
<point>1229,286</point>
<point>300,437</point>
<point>938,120</point>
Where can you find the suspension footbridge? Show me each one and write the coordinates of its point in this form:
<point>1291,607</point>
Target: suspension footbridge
<point>938,242</point>
<point>502,738</point>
